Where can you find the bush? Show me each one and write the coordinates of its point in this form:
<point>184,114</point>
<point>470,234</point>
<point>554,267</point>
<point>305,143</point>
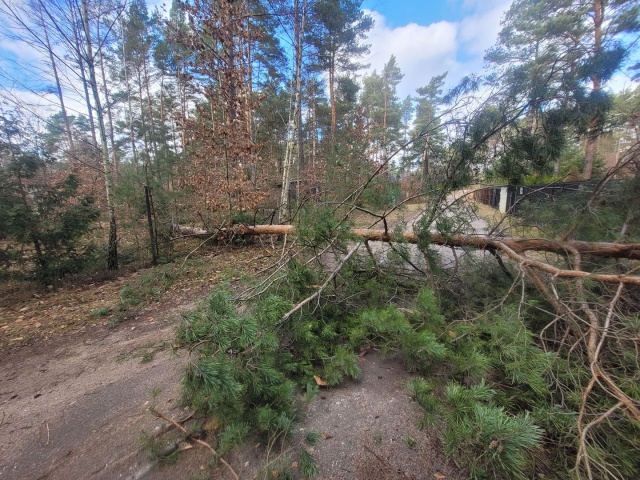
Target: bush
<point>491,442</point>
<point>480,379</point>
<point>47,216</point>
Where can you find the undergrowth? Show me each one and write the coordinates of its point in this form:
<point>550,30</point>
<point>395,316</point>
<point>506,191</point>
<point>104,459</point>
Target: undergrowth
<point>481,375</point>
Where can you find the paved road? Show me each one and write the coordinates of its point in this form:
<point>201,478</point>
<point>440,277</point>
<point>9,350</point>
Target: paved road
<point>448,256</point>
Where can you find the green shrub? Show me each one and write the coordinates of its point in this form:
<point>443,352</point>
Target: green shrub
<point>251,370</point>
<point>49,217</point>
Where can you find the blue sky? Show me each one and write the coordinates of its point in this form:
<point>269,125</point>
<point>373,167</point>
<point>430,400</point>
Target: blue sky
<point>401,12</point>
<point>428,37</point>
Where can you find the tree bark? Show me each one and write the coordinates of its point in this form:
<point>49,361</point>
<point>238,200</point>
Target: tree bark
<point>516,245</point>
<point>153,241</point>
<point>596,80</point>
<point>293,133</point>
<point>332,98</point>
<point>83,77</point>
<point>112,255</point>
<point>109,114</point>
<point>129,109</point>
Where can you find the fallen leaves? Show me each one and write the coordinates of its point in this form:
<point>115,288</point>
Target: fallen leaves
<point>28,313</point>
<point>212,425</point>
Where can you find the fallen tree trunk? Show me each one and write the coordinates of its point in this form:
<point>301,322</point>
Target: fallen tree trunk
<point>518,245</point>
<point>513,247</point>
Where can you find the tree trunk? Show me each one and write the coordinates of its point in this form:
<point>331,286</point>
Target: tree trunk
<point>483,242</point>
<point>112,255</point>
<point>332,99</point>
<point>130,112</point>
<point>112,139</point>
<point>83,76</point>
<point>154,144</point>
<point>425,165</point>
<point>314,127</point>
<point>594,123</point>
<point>293,133</point>
<point>54,68</point>
<point>385,101</point>
<point>153,241</point>
<point>143,122</point>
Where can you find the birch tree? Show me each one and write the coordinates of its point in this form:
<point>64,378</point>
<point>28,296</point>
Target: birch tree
<point>90,60</point>
<point>294,135</point>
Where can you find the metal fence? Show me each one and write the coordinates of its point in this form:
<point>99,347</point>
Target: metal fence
<point>509,198</point>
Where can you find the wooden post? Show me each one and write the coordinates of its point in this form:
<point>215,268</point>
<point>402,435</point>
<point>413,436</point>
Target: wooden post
<point>153,242</point>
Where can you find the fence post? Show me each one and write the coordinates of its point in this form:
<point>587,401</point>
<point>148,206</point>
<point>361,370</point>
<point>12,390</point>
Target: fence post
<point>152,234</point>
<point>504,196</point>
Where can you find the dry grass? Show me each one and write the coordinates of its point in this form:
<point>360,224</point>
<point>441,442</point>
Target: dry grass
<point>29,312</point>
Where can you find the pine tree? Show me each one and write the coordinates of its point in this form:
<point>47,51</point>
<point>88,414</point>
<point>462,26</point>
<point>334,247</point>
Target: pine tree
<point>384,109</point>
<point>555,58</point>
<point>41,207</point>
<point>337,32</point>
<point>426,124</point>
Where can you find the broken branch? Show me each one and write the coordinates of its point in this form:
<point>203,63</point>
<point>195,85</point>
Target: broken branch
<point>197,440</point>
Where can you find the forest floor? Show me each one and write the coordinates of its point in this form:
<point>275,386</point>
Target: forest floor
<point>82,365</point>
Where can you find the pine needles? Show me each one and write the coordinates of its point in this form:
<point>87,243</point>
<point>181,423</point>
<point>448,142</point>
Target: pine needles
<point>504,406</point>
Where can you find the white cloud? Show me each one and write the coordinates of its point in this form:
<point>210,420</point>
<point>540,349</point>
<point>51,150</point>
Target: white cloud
<point>22,50</point>
<point>27,83</point>
<point>423,51</point>
<point>479,32</point>
<point>31,104</point>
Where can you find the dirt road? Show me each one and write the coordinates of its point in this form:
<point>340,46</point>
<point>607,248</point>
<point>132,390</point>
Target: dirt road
<point>76,407</point>
<point>76,410</point>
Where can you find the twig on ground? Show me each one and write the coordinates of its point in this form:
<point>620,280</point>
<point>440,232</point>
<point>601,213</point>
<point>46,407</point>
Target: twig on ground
<point>197,440</point>
<point>382,460</point>
<point>196,249</point>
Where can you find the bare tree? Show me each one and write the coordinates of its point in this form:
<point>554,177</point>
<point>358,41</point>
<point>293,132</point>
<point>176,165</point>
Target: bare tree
<point>294,131</point>
<point>25,21</point>
<point>90,58</point>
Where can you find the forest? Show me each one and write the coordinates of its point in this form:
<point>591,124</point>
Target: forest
<point>254,125</point>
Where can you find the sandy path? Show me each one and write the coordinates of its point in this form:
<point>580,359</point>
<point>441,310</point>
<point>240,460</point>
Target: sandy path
<point>371,429</point>
<point>477,226</point>
<point>75,408</point>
